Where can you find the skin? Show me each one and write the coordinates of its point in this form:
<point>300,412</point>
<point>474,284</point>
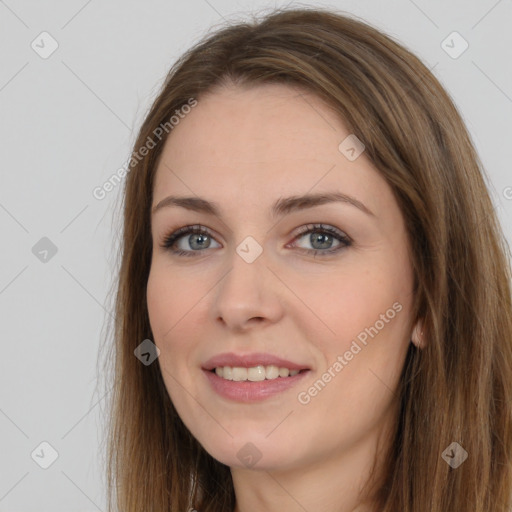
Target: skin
<point>244,148</point>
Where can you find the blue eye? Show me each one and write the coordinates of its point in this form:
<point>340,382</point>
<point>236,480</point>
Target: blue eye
<point>171,240</point>
<point>324,236</point>
<point>323,239</point>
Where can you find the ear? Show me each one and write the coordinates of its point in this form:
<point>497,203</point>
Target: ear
<point>418,335</point>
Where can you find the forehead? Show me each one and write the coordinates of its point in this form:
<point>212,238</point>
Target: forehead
<point>252,142</point>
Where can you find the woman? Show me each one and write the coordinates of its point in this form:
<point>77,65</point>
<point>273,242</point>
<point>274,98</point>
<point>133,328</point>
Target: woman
<point>314,284</point>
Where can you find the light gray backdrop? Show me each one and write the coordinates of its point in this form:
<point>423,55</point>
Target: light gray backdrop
<point>76,78</point>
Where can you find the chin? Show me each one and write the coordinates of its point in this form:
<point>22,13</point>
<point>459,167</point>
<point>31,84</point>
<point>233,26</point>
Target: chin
<point>258,452</point>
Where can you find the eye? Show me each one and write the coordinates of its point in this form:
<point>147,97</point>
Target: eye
<point>321,239</point>
<point>198,239</point>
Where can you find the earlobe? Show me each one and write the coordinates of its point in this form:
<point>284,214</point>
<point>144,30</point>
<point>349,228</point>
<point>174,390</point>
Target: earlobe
<point>418,336</point>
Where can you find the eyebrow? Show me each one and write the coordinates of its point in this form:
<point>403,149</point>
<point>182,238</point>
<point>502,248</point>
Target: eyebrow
<point>281,207</point>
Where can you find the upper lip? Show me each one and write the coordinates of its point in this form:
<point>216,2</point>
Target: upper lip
<point>250,360</point>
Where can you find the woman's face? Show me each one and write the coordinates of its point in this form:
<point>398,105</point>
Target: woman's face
<point>251,293</point>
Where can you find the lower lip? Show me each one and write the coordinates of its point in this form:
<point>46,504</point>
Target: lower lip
<point>247,391</point>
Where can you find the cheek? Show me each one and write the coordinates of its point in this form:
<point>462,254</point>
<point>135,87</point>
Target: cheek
<point>159,302</point>
<point>167,307</point>
<point>360,353</point>
<point>175,309</point>
<point>342,304</point>
<point>170,299</point>
<point>360,315</point>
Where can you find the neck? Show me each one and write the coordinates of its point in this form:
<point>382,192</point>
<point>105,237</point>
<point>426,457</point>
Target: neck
<point>331,483</point>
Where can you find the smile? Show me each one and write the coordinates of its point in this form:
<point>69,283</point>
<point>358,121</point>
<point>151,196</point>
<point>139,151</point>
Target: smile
<point>254,373</point>
<point>245,390</point>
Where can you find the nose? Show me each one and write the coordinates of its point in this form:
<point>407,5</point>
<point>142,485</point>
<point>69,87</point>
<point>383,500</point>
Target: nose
<point>248,294</point>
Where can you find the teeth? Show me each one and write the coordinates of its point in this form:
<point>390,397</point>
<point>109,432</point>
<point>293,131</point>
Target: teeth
<point>284,372</point>
<point>254,374</point>
<point>239,374</point>
<point>271,372</point>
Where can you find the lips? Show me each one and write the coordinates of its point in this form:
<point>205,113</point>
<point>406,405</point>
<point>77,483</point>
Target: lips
<point>251,360</point>
<point>254,390</point>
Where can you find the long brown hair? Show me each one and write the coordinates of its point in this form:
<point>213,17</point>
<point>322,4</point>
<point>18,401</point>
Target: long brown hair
<point>457,388</point>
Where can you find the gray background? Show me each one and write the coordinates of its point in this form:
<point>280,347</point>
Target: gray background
<point>67,124</point>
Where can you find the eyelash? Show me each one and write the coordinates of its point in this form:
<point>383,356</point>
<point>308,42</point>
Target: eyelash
<point>170,240</point>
